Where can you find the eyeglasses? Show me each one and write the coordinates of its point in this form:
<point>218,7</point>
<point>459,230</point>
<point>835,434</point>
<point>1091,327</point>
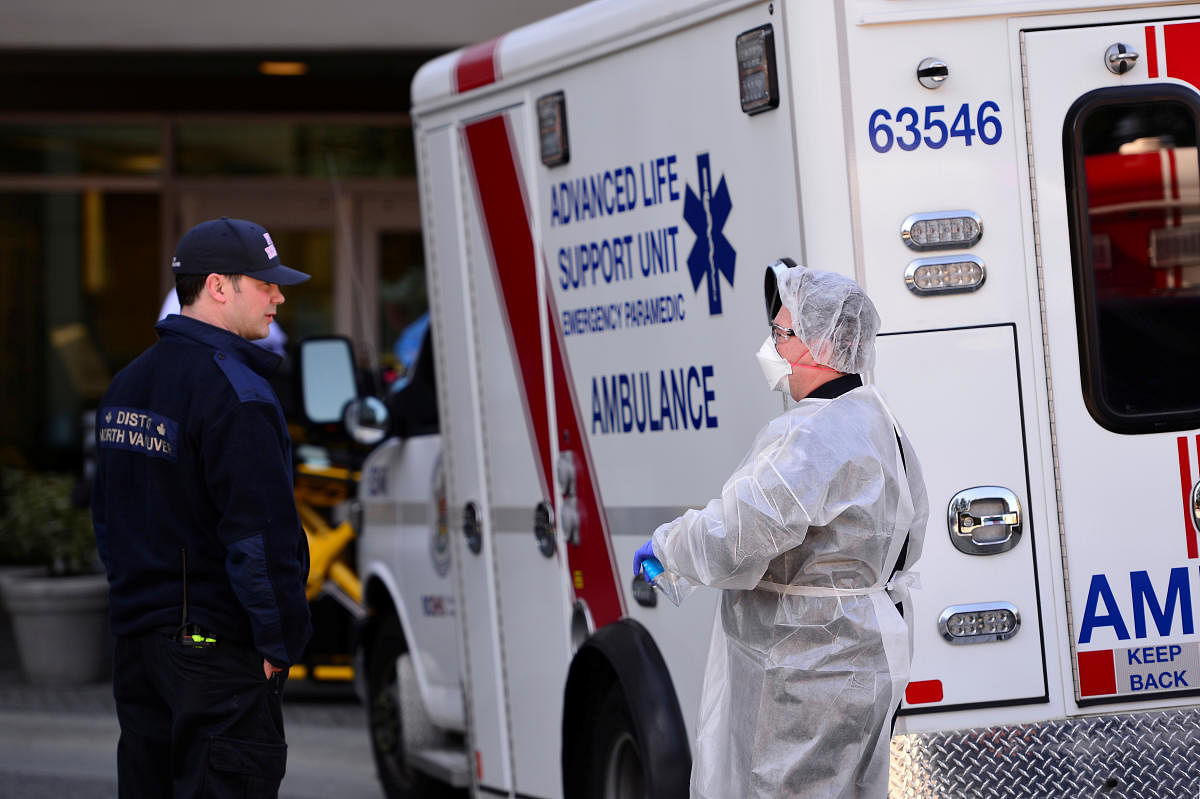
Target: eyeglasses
<point>781,334</point>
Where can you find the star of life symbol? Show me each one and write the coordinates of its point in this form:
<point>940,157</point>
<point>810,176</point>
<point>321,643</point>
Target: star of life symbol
<point>270,248</point>
<point>712,255</point>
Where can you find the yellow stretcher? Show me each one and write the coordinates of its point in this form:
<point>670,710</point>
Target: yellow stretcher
<point>331,572</point>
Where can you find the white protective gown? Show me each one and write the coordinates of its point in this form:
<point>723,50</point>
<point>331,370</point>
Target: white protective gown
<point>809,656</point>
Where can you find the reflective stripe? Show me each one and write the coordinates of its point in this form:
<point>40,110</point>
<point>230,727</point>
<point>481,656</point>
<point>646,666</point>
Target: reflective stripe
<point>392,513</point>
<point>641,520</point>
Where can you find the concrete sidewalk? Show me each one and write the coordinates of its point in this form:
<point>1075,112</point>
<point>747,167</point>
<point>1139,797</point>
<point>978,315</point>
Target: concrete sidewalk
<point>61,743</point>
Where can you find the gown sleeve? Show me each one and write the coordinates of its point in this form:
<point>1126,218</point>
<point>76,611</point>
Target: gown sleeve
<point>802,472</point>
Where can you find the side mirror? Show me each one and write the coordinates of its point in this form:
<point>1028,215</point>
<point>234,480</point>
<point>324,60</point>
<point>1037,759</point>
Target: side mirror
<point>327,381</point>
<point>366,420</point>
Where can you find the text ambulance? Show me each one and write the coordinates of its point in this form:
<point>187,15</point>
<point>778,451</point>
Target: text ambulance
<point>1016,186</point>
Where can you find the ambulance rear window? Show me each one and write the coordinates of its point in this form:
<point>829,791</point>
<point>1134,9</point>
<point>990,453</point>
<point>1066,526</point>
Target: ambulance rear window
<point>1133,184</point>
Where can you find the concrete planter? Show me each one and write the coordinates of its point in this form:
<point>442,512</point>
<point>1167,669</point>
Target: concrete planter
<point>60,625</point>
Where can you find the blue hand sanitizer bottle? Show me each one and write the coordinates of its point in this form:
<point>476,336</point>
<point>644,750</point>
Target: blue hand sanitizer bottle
<point>662,580</point>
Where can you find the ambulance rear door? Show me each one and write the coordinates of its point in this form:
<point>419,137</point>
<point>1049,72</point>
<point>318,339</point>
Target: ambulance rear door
<point>461,399</point>
<point>956,355</point>
<point>1114,115</point>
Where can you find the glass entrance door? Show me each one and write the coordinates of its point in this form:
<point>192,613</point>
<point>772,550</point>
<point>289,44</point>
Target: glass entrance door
<point>361,246</point>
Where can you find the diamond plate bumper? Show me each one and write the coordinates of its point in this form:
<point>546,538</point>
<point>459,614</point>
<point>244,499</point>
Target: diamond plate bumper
<point>1150,755</point>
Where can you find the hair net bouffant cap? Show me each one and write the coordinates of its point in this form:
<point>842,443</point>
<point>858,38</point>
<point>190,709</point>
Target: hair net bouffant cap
<point>832,316</point>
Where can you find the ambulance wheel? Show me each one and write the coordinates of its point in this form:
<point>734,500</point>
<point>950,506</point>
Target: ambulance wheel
<point>386,720</point>
<point>617,768</point>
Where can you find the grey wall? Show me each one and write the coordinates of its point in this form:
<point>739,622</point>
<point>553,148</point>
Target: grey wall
<point>248,24</point>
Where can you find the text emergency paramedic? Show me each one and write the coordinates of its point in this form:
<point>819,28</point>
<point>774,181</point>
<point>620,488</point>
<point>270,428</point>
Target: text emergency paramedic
<point>809,655</point>
<point>197,527</point>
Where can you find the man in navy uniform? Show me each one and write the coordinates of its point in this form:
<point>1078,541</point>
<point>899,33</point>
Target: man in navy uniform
<point>197,527</point>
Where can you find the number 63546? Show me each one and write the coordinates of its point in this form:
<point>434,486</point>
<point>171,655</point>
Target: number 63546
<point>910,128</point>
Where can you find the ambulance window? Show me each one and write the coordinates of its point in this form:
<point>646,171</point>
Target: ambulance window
<point>1133,184</point>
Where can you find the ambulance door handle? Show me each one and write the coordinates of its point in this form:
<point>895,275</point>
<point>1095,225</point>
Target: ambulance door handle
<point>543,529</point>
<point>984,520</point>
<point>568,504</point>
<point>1120,58</point>
<point>1196,504</point>
<point>472,528</point>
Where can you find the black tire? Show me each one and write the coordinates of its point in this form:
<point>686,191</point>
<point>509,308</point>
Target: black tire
<point>623,733</point>
<point>612,756</point>
<point>386,724</point>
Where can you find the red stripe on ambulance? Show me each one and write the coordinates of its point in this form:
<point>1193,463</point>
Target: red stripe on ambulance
<point>477,66</point>
<point>1151,51</point>
<point>506,221</point>
<point>592,561</point>
<point>1181,44</point>
<point>1185,480</point>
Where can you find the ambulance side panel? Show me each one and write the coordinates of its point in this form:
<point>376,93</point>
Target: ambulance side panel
<point>405,544</point>
<point>657,289</point>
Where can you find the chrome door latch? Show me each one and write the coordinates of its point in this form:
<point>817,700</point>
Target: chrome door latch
<point>1120,58</point>
<point>984,520</point>
<point>1196,504</point>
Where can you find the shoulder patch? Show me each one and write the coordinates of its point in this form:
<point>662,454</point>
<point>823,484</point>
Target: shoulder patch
<point>248,384</point>
<point>140,431</point>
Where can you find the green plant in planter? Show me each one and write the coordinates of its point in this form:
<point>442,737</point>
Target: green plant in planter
<point>59,611</point>
<point>41,525</point>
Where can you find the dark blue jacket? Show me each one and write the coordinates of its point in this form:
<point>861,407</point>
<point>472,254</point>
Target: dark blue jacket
<point>193,454</point>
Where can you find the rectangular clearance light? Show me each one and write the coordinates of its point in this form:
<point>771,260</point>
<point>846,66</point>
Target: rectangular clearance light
<point>979,623</point>
<point>945,275</point>
<point>758,83</point>
<point>552,128</point>
<point>940,230</point>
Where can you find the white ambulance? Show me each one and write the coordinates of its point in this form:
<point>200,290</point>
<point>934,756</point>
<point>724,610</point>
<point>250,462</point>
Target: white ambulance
<point>1015,184</point>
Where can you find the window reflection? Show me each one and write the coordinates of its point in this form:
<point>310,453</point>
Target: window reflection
<point>289,149</point>
<point>404,306</point>
<point>308,307</point>
<point>79,278</point>
<point>1140,288</point>
<point>77,149</point>
<point>82,269</point>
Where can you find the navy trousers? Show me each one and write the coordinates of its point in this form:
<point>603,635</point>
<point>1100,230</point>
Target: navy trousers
<point>196,722</point>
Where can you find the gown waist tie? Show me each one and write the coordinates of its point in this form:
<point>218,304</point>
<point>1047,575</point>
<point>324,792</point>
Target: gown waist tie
<point>897,588</point>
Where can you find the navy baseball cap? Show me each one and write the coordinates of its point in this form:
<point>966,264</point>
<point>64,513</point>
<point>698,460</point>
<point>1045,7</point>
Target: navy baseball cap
<point>232,247</point>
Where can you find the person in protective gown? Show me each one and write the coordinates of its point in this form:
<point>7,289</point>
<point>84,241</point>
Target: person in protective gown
<point>810,537</point>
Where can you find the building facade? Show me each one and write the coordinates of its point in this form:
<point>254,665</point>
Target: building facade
<point>124,124</point>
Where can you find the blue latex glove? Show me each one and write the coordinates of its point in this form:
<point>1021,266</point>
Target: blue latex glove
<point>644,552</point>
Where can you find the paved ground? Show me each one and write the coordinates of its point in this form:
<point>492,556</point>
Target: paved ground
<point>61,743</point>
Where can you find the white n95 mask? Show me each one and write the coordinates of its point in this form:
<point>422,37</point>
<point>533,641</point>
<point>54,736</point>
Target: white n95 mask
<point>774,367</point>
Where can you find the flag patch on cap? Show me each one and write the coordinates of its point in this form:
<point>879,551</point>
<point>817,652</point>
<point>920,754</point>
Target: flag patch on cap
<point>270,248</point>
